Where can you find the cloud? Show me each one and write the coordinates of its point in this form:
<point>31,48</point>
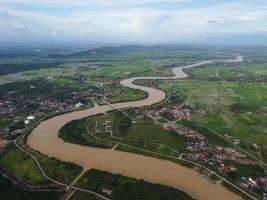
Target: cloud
<point>141,23</point>
<point>90,2</point>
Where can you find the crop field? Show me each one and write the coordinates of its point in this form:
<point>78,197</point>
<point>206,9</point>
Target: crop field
<point>220,94</point>
<point>248,71</point>
<point>247,128</point>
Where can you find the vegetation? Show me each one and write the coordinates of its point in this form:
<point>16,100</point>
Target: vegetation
<point>76,132</point>
<point>129,94</point>
<point>145,129</point>
<point>219,95</point>
<point>10,191</point>
<point>84,196</point>
<point>62,171</point>
<point>23,166</point>
<point>244,72</point>
<point>26,168</point>
<point>152,154</point>
<point>118,187</point>
<point>12,68</point>
<point>144,133</point>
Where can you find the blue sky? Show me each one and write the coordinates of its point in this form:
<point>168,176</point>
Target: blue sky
<point>151,21</point>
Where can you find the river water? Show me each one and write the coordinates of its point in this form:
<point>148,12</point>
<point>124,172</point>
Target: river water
<point>45,140</point>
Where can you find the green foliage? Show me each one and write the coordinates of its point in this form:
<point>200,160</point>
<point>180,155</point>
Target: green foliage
<point>76,132</point>
<point>210,135</point>
<point>246,171</point>
<point>122,187</point>
<point>62,171</point>
<point>12,68</point>
<point>78,195</point>
<point>9,191</point>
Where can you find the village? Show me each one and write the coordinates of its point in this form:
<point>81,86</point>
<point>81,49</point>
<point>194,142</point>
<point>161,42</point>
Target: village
<point>222,158</point>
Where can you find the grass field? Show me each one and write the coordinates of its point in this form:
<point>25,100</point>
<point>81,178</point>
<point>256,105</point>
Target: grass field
<point>23,166</point>
<point>26,168</point>
<point>145,129</point>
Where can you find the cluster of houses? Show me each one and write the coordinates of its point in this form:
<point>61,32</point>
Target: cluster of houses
<point>173,111</point>
<point>98,92</point>
<point>259,183</point>
<point>184,131</point>
<point>11,104</point>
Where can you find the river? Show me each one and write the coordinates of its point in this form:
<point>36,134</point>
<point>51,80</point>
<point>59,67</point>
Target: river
<point>44,138</point>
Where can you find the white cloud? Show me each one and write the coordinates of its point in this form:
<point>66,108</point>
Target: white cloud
<point>90,2</point>
<point>141,23</point>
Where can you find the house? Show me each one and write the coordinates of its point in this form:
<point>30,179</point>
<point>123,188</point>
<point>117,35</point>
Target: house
<point>78,105</point>
<point>31,117</point>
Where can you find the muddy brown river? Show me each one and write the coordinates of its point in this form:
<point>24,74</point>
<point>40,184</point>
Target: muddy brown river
<point>44,138</point>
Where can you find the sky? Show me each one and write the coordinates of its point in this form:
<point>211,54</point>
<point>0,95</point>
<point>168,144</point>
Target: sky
<point>134,21</point>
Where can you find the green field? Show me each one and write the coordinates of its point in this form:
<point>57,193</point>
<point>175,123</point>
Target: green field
<point>129,94</point>
<point>248,71</point>
<point>59,170</point>
<point>117,187</point>
<point>76,132</point>
<point>26,168</point>
<point>145,129</point>
<point>247,128</point>
<point>220,95</point>
<point>23,166</point>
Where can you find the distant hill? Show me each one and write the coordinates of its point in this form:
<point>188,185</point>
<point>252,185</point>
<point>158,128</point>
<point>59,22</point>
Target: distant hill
<point>118,50</point>
<point>13,68</point>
